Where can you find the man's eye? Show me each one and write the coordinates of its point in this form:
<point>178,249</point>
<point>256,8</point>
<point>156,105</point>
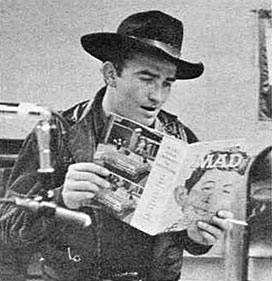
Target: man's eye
<point>166,84</point>
<point>207,187</point>
<point>226,191</point>
<point>146,79</point>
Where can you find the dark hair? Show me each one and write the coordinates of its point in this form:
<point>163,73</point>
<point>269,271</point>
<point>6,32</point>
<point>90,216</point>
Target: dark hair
<point>120,59</point>
<point>119,62</point>
<point>194,178</point>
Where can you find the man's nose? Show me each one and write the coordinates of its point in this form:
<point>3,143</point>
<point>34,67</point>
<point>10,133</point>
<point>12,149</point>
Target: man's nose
<point>155,93</point>
<point>207,198</point>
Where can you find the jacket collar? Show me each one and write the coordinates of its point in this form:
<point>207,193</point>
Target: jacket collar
<point>84,135</point>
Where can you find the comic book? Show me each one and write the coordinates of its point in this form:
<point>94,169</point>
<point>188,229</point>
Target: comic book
<point>160,183</point>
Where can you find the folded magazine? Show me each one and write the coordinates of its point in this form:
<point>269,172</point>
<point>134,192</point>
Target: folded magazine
<point>160,183</point>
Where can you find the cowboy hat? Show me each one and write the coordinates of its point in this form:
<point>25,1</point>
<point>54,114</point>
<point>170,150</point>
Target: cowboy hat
<point>153,32</point>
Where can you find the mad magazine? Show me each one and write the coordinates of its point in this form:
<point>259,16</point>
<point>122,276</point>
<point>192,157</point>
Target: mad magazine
<point>160,183</point>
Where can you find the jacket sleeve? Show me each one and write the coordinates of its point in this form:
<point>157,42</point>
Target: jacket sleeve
<point>168,254</point>
<point>191,137</point>
<point>22,228</point>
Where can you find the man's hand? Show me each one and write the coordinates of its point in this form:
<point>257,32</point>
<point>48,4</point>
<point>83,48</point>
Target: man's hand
<point>208,233</point>
<point>83,181</point>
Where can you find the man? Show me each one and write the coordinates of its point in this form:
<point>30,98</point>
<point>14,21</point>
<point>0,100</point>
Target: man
<point>197,198</point>
<point>140,63</point>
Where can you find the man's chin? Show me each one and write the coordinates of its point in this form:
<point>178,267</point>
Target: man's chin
<point>143,120</point>
<point>148,118</point>
<point>146,121</point>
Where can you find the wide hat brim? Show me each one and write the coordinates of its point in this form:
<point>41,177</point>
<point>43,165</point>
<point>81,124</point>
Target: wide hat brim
<point>105,46</point>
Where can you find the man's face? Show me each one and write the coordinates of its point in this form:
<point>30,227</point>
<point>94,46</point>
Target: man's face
<point>212,192</point>
<point>142,88</point>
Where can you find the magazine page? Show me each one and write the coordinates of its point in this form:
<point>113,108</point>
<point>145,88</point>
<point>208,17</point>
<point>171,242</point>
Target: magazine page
<point>128,150</point>
<point>152,208</point>
<point>209,178</point>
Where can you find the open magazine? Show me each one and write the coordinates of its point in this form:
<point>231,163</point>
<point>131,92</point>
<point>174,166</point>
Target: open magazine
<point>160,183</point>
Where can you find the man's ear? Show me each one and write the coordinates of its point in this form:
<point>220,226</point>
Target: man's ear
<point>109,74</point>
<point>180,194</point>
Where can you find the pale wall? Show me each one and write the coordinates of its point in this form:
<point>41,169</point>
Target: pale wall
<point>43,62</point>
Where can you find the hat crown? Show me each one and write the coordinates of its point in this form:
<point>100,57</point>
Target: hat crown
<point>151,32</point>
<point>153,25</point>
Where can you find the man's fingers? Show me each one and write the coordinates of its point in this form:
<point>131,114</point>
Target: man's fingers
<point>220,219</point>
<point>89,167</point>
<point>209,229</point>
<point>77,199</point>
<point>207,237</point>
<point>92,178</point>
<point>224,214</point>
<point>82,186</point>
<point>83,181</point>
<point>221,223</point>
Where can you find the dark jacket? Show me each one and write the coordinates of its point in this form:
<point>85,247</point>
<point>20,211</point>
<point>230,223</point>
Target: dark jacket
<point>108,247</point>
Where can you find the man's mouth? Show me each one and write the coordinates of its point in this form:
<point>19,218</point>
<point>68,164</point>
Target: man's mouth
<point>200,210</point>
<point>149,108</point>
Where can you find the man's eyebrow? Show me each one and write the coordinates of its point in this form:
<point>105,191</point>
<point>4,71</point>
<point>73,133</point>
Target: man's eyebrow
<point>147,72</point>
<point>171,79</point>
<point>210,181</point>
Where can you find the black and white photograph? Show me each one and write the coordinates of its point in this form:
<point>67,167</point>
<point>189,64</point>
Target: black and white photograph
<point>81,195</point>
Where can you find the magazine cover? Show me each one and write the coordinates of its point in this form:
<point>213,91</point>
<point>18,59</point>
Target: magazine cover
<point>160,183</point>
<point>210,177</point>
